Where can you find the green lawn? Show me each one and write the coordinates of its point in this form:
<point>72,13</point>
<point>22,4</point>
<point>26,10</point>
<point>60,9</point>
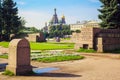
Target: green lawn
<point>48,58</point>
<point>4,44</point>
<point>59,58</point>
<point>4,56</point>
<point>86,50</point>
<point>66,38</point>
<point>8,73</point>
<point>45,46</point>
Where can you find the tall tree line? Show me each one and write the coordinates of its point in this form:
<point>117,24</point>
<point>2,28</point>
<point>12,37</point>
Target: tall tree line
<point>10,22</point>
<point>59,30</point>
<point>110,14</point>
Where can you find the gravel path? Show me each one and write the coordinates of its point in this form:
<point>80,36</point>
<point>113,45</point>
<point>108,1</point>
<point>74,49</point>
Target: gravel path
<point>3,50</point>
<point>90,68</point>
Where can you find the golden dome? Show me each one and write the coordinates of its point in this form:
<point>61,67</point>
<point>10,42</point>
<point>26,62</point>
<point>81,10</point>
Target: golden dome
<point>63,16</point>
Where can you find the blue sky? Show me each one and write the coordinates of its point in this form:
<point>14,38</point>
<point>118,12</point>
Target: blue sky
<point>37,12</point>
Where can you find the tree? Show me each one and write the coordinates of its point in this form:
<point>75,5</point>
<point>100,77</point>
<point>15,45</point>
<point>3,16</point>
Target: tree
<point>110,14</point>
<point>77,31</point>
<point>59,30</point>
<point>11,21</point>
<point>0,21</point>
<point>29,30</point>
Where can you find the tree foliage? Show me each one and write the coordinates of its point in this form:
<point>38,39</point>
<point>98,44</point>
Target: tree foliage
<point>59,30</point>
<point>30,30</point>
<point>77,31</point>
<point>110,14</point>
<point>0,21</point>
<point>10,21</point>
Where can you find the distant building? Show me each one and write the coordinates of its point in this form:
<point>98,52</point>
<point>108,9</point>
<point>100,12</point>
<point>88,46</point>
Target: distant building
<point>75,27</point>
<point>45,29</point>
<point>79,25</point>
<point>93,24</point>
<point>54,21</point>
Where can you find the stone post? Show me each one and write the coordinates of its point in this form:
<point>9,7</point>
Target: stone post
<point>100,45</point>
<point>19,57</point>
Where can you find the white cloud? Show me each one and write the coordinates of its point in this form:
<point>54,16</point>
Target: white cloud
<point>34,18</point>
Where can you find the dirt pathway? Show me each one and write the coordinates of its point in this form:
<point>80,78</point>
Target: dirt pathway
<point>90,68</point>
<point>3,50</point>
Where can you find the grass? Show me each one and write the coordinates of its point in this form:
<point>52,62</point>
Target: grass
<point>44,46</point>
<point>4,56</point>
<point>49,57</point>
<point>51,46</point>
<point>86,50</point>
<point>9,73</point>
<point>58,57</point>
<point>65,38</point>
<point>4,44</point>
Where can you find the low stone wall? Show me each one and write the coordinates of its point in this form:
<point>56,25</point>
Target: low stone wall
<point>86,38</point>
<point>75,37</point>
<point>110,40</point>
<point>98,39</point>
<point>38,37</point>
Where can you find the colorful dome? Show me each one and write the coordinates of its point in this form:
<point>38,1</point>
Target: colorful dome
<point>55,19</point>
<point>63,16</point>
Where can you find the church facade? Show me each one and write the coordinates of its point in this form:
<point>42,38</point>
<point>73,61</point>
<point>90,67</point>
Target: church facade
<point>54,21</point>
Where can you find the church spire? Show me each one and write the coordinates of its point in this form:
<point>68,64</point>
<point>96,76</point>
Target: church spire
<point>55,10</point>
<point>54,18</point>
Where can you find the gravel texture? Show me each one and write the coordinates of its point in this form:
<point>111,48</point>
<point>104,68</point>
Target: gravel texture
<point>93,67</point>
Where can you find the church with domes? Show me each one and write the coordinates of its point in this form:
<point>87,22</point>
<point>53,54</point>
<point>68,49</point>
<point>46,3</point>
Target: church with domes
<point>55,20</point>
